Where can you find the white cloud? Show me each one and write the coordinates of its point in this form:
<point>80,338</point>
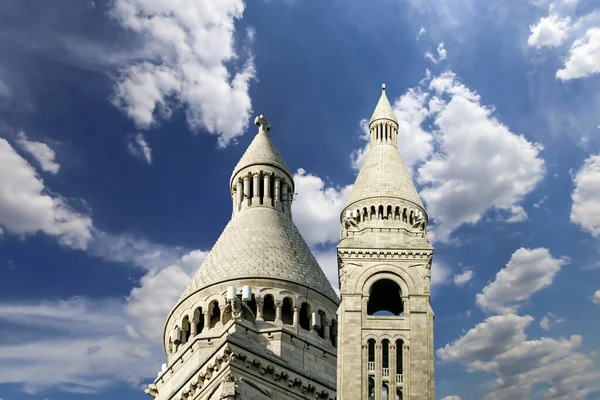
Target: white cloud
<point>316,208</point>
<point>26,207</point>
<point>442,54</point>
<point>42,153</point>
<point>585,211</point>
<point>85,345</point>
<point>550,31</point>
<point>552,367</point>
<point>462,278</point>
<point>550,320</point>
<point>527,272</point>
<point>487,340</point>
<point>476,155</point>
<point>422,31</point>
<point>192,47</point>
<point>328,261</point>
<point>584,57</point>
<point>139,148</point>
<point>452,398</point>
<point>596,298</point>
<point>440,273</point>
<point>539,203</point>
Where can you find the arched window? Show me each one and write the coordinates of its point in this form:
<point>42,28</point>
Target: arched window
<point>305,316</point>
<point>321,330</point>
<point>215,313</point>
<point>385,299</point>
<point>198,319</point>
<point>404,217</point>
<point>373,212</point>
<point>269,308</point>
<point>399,350</point>
<point>389,213</point>
<point>385,354</point>
<point>371,354</point>
<point>334,333</point>
<point>287,311</point>
<point>380,213</point>
<point>384,392</point>
<point>371,388</point>
<point>185,327</point>
<point>397,213</point>
<point>227,314</point>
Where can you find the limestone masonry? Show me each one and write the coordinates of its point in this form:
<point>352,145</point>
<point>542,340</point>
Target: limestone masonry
<point>259,319</point>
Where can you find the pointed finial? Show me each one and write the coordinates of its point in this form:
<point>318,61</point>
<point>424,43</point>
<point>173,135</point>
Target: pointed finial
<point>262,123</point>
<point>383,87</point>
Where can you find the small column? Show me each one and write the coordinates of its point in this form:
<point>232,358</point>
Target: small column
<point>278,319</point>
<point>240,194</point>
<point>277,202</point>
<point>267,187</point>
<point>256,188</point>
<point>247,200</point>
<point>326,329</point>
<point>365,372</point>
<point>206,320</point>
<point>284,197</point>
<point>392,365</point>
<point>405,306</point>
<point>296,316</point>
<point>193,328</point>
<point>259,309</point>
<point>406,370</point>
<point>378,371</point>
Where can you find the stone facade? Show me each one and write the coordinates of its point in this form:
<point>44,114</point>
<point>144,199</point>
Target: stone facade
<point>259,319</point>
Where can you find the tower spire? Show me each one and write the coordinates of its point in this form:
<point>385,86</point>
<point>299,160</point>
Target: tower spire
<point>383,125</point>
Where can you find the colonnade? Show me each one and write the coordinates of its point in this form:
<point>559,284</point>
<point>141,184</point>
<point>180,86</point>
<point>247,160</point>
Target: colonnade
<point>262,188</point>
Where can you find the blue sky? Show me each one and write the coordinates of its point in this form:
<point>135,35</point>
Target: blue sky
<point>121,122</point>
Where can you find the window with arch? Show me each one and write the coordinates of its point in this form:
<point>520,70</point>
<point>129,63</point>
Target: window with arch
<point>399,350</point>
<point>305,316</point>
<point>252,307</point>
<point>269,308</point>
<point>371,387</point>
<point>371,354</point>
<point>334,333</point>
<point>198,320</point>
<point>385,353</point>
<point>215,313</point>
<point>384,391</point>
<point>287,311</point>
<point>321,330</point>
<point>385,299</point>
<point>185,327</point>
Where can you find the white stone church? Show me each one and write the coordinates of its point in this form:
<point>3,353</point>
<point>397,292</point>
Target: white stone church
<point>259,319</point>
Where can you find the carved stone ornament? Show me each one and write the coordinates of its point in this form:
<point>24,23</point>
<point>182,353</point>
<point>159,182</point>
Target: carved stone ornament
<point>228,387</point>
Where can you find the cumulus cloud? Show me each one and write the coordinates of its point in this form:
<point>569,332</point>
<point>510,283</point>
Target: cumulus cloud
<point>27,207</point>
<point>550,31</point>
<point>422,31</point>
<point>442,54</point>
<point>317,207</point>
<point>476,155</point>
<point>42,153</point>
<point>596,297</point>
<point>452,398</point>
<point>139,148</point>
<point>527,272</point>
<point>462,278</point>
<point>193,64</point>
<point>584,57</point>
<point>440,273</point>
<point>85,345</point>
<point>500,345</point>
<point>585,210</point>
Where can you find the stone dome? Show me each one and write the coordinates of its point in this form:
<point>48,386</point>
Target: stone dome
<point>261,242</point>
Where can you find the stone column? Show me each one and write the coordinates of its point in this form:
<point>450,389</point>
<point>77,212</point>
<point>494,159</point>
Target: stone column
<point>240,194</point>
<point>206,320</point>
<point>277,202</point>
<point>246,202</point>
<point>378,371</point>
<point>259,310</point>
<point>284,197</point>
<point>256,188</point>
<point>326,329</point>
<point>278,312</point>
<point>392,365</point>
<point>267,188</point>
<point>296,316</point>
<point>405,372</point>
<point>365,372</point>
<point>405,306</point>
<point>193,328</point>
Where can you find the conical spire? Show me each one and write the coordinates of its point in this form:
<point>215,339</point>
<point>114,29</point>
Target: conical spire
<point>383,174</point>
<point>383,110</point>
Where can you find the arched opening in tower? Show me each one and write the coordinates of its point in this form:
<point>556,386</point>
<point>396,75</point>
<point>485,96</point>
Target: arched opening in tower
<point>371,387</point>
<point>305,316</point>
<point>269,308</point>
<point>385,299</point>
<point>287,311</point>
<point>334,333</point>
<point>215,313</point>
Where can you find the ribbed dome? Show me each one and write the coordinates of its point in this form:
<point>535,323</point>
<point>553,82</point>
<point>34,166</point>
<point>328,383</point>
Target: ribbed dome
<point>261,151</point>
<point>263,243</point>
<point>383,110</point>
<point>384,174</point>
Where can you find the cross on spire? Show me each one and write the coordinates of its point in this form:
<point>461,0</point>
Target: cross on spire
<point>262,123</point>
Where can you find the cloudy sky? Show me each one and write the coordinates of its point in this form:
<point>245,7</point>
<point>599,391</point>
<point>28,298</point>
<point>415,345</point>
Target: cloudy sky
<point>121,122</point>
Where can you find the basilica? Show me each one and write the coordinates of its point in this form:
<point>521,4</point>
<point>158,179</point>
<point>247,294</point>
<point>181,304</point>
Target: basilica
<point>259,319</point>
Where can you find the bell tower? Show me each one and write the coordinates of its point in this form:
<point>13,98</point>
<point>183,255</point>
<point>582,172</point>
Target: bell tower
<point>384,263</point>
